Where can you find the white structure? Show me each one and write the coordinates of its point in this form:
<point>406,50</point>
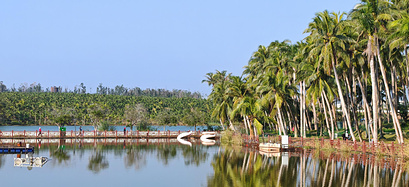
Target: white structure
<point>30,161</point>
<point>182,141</point>
<point>206,135</point>
<point>284,141</point>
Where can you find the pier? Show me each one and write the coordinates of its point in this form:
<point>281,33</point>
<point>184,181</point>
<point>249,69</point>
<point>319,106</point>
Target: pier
<point>96,134</point>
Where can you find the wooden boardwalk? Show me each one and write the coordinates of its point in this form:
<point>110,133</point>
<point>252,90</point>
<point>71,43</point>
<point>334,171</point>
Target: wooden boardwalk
<point>95,134</point>
<point>380,148</point>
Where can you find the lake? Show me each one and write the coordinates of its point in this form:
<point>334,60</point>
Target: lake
<point>153,162</point>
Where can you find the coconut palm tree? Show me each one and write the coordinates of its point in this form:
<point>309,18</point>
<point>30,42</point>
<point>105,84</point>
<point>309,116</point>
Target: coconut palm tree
<point>327,34</point>
<point>371,16</point>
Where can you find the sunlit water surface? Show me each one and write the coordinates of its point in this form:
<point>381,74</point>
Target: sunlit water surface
<point>154,163</point>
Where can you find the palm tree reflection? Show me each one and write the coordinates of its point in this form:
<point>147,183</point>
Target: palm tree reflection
<point>97,162</point>
<point>249,168</point>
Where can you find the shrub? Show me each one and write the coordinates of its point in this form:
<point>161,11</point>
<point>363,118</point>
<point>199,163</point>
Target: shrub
<point>106,126</point>
<point>229,137</point>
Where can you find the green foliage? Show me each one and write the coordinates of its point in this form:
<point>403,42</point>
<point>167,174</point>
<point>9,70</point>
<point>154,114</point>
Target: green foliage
<point>230,138</point>
<point>166,117</point>
<point>194,117</point>
<point>42,108</point>
<point>403,112</point>
<point>106,126</point>
<point>144,125</point>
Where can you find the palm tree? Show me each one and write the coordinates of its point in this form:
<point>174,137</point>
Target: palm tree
<point>326,32</point>
<point>220,98</point>
<point>371,16</point>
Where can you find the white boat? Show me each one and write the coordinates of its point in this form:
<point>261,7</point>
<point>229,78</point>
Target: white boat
<point>182,141</point>
<point>206,137</point>
<point>269,147</point>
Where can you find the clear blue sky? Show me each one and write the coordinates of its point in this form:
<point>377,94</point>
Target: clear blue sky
<point>146,44</point>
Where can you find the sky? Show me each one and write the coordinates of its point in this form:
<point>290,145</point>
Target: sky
<point>143,43</point>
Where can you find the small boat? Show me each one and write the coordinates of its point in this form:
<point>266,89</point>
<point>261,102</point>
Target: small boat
<point>182,141</point>
<point>269,147</point>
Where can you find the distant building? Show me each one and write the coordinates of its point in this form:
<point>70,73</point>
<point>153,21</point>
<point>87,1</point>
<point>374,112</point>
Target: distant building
<point>55,89</point>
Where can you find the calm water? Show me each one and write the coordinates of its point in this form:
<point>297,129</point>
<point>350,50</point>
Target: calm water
<point>153,163</point>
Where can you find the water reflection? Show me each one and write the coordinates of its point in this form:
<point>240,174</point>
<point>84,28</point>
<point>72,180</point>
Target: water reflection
<point>97,161</point>
<point>59,153</point>
<point>135,158</point>
<point>29,161</point>
<point>146,160</point>
<point>195,155</point>
<point>306,168</point>
<point>166,153</point>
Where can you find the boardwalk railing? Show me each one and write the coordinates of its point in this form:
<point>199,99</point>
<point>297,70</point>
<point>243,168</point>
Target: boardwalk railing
<point>347,145</point>
<point>379,148</point>
<point>94,134</point>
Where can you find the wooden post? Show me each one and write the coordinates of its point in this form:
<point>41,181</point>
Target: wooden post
<point>116,133</point>
<point>338,144</point>
<point>393,149</point>
<point>71,133</point>
<point>137,133</point>
<point>12,133</point>
<point>355,146</point>
<point>147,135</point>
<point>322,142</point>
<point>105,134</point>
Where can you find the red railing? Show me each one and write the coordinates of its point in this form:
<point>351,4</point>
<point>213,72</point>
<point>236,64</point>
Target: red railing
<point>93,134</point>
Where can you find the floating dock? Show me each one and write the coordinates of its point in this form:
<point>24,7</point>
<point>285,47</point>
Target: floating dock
<point>16,150</point>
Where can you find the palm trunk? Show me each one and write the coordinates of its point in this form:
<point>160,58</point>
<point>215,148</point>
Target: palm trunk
<point>366,107</point>
<point>231,126</point>
<point>407,73</point>
<point>396,122</point>
<point>343,105</point>
<point>341,96</point>
<point>221,123</point>
<point>301,110</point>
<point>330,115</point>
<point>326,118</point>
<point>281,121</point>
<point>249,124</point>
<point>352,103</point>
<point>375,93</point>
<point>245,125</point>
<point>315,116</point>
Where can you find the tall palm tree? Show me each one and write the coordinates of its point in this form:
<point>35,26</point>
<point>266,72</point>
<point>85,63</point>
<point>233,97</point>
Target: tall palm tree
<point>371,16</point>
<point>326,32</point>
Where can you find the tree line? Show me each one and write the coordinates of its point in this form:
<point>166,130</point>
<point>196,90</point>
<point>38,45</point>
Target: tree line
<point>349,74</point>
<point>45,108</point>
<point>101,89</point>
